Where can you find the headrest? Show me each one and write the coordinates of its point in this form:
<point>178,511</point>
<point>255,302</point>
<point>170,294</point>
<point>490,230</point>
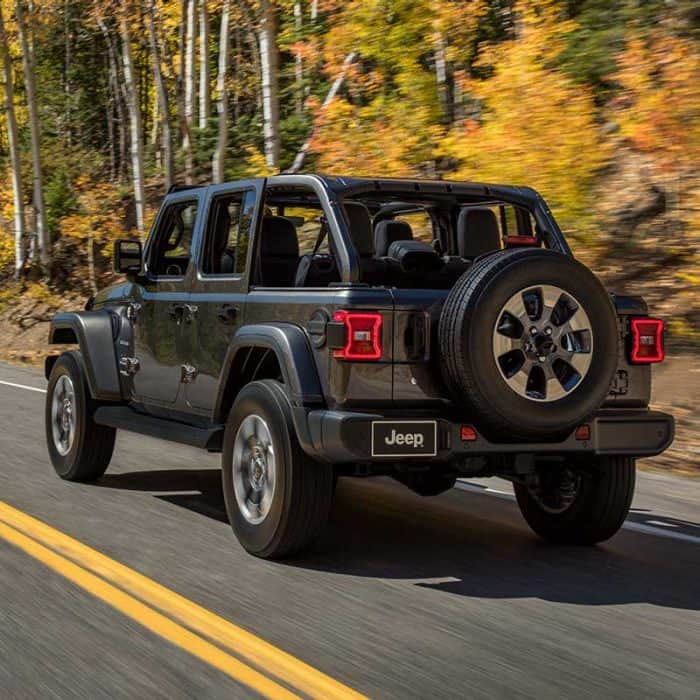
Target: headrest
<point>278,237</point>
<point>360,225</point>
<point>387,232</point>
<point>415,256</point>
<point>477,232</point>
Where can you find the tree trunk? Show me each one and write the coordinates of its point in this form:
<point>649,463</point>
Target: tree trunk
<point>109,116</point>
<point>13,143</point>
<point>177,78</point>
<point>204,76</point>
<point>92,277</point>
<point>43,240</point>
<point>442,76</point>
<point>270,91</point>
<point>337,84</point>
<point>190,87</point>
<point>163,99</point>
<point>219,157</point>
<point>134,109</point>
<point>298,60</point>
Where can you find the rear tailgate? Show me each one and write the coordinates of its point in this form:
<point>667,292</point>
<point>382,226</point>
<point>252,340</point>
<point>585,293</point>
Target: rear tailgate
<point>417,378</point>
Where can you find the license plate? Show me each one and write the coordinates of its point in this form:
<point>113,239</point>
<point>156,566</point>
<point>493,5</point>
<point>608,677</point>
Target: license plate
<point>408,438</point>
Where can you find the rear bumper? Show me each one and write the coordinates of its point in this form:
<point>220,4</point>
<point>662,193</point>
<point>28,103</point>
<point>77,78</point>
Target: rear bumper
<point>346,437</point>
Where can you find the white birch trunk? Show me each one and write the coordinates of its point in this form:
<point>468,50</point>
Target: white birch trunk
<point>134,109</point>
<point>163,99</point>
<point>119,95</point>
<point>219,157</point>
<point>190,87</point>
<point>298,60</point>
<point>270,92</point>
<point>13,142</point>
<point>204,74</point>
<point>42,234</point>
<point>337,84</point>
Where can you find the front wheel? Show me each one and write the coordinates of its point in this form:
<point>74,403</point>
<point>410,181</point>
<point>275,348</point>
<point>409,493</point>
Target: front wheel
<point>568,505</point>
<point>277,498</point>
<point>79,448</point>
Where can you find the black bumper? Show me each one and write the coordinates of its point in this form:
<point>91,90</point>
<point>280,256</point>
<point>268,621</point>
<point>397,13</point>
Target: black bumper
<point>346,437</point>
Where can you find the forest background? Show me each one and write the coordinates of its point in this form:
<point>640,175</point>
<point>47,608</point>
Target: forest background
<point>595,103</point>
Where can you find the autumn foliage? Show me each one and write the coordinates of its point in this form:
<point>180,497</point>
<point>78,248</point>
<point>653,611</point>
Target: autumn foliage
<point>545,93</point>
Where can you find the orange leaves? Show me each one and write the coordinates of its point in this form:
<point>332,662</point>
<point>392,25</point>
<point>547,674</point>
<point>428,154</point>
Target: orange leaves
<point>535,126</point>
<point>347,141</point>
<point>660,107</point>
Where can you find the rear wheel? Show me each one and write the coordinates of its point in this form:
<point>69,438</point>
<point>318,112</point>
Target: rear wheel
<point>568,505</point>
<point>277,498</point>
<point>79,448</point>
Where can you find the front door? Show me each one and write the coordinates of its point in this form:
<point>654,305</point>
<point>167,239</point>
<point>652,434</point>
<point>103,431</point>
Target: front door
<point>161,311</point>
<point>219,286</point>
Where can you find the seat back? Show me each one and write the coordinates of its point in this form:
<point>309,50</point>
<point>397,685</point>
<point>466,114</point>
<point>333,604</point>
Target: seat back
<point>279,252</point>
<point>360,226</point>
<point>388,231</point>
<point>477,232</point>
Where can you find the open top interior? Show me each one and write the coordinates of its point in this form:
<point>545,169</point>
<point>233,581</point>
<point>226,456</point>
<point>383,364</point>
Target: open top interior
<point>401,239</point>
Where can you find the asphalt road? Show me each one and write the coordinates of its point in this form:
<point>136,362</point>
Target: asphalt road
<point>448,597</point>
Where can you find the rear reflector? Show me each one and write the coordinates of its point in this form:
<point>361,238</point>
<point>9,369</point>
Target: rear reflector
<point>647,340</point>
<point>363,339</point>
<point>512,241</point>
<point>583,432</point>
<point>467,433</point>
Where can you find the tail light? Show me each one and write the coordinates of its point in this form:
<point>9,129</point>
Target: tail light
<point>647,344</point>
<point>363,339</point>
<point>514,241</point>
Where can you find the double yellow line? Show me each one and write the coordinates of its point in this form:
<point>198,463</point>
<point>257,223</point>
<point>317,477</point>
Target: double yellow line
<point>183,623</point>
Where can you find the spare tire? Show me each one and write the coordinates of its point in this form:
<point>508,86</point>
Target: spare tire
<point>529,344</point>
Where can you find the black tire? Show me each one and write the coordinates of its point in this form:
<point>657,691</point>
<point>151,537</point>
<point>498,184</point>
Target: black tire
<point>92,445</point>
<point>303,492</point>
<point>598,510</point>
<point>469,367</point>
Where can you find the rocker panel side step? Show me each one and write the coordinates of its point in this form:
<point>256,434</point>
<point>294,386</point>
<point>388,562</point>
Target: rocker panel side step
<point>125,418</point>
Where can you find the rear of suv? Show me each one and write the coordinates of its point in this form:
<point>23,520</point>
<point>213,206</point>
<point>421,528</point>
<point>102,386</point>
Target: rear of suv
<point>311,327</point>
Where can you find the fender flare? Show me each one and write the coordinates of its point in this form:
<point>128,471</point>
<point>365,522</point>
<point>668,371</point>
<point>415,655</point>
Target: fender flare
<point>93,332</point>
<point>293,351</point>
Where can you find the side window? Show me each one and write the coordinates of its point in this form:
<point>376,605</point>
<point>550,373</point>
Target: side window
<point>518,221</point>
<point>228,233</point>
<point>171,250</point>
<point>308,222</point>
<point>421,224</point>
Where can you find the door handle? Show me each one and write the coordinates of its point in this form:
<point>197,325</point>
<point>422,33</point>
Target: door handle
<point>176,311</point>
<point>190,312</point>
<point>227,313</point>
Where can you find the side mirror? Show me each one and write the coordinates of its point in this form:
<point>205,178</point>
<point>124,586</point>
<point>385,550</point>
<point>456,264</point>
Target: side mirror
<point>127,257</point>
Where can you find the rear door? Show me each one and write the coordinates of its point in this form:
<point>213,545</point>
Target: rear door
<point>219,286</point>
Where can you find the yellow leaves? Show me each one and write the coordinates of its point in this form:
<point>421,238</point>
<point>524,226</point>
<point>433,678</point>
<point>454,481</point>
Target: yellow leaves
<point>536,127</point>
<point>353,139</point>
<point>100,212</point>
<point>659,110</point>
<point>256,164</point>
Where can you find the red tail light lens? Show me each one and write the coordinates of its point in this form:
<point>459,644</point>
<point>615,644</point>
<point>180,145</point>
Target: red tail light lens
<point>647,340</point>
<point>467,433</point>
<point>513,241</point>
<point>363,335</point>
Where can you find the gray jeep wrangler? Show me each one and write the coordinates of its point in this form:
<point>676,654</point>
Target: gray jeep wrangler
<point>308,327</point>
